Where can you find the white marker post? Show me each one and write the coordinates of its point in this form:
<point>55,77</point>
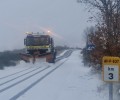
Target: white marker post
<point>110,67</point>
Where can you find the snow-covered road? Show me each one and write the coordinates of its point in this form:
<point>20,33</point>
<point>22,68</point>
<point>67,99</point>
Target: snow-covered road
<point>68,79</point>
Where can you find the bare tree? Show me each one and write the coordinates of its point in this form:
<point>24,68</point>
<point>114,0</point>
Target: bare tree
<point>110,14</point>
<point>107,9</point>
<point>106,37</point>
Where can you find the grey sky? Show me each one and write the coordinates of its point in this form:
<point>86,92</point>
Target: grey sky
<point>65,18</point>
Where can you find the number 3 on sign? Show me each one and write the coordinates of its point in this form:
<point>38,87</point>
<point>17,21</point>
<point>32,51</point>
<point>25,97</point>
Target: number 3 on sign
<point>111,76</point>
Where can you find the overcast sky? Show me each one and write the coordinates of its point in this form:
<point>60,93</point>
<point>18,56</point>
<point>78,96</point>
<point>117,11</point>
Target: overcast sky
<point>67,19</point>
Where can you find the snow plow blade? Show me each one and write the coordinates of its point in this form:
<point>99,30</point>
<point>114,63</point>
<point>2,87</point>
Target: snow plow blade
<point>49,57</point>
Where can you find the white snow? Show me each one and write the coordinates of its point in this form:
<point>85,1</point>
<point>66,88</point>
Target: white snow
<point>62,53</point>
<point>71,81</point>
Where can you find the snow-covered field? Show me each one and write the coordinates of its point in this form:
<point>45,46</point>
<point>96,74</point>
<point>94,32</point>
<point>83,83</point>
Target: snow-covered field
<point>69,79</point>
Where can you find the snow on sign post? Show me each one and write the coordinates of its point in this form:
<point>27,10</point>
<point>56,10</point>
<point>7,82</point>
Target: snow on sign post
<point>110,70</point>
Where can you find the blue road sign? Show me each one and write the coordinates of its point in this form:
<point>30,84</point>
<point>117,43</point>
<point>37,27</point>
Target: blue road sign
<point>90,46</point>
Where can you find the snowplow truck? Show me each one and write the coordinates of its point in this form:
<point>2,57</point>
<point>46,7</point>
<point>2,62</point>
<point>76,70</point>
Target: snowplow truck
<point>38,46</point>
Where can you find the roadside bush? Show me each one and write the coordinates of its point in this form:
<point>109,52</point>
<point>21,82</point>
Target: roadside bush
<point>8,58</point>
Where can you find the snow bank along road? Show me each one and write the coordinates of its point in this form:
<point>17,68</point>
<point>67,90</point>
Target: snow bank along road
<point>16,84</point>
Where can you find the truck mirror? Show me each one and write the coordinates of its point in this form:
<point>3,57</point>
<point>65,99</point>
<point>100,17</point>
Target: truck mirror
<point>24,41</point>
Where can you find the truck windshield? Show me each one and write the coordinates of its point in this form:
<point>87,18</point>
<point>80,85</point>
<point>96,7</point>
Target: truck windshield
<point>37,41</point>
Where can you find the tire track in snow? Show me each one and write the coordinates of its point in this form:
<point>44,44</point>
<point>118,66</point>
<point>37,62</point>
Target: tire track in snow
<point>66,54</point>
<point>16,83</point>
<point>19,76</point>
<point>34,83</point>
<point>37,81</point>
<point>15,73</point>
